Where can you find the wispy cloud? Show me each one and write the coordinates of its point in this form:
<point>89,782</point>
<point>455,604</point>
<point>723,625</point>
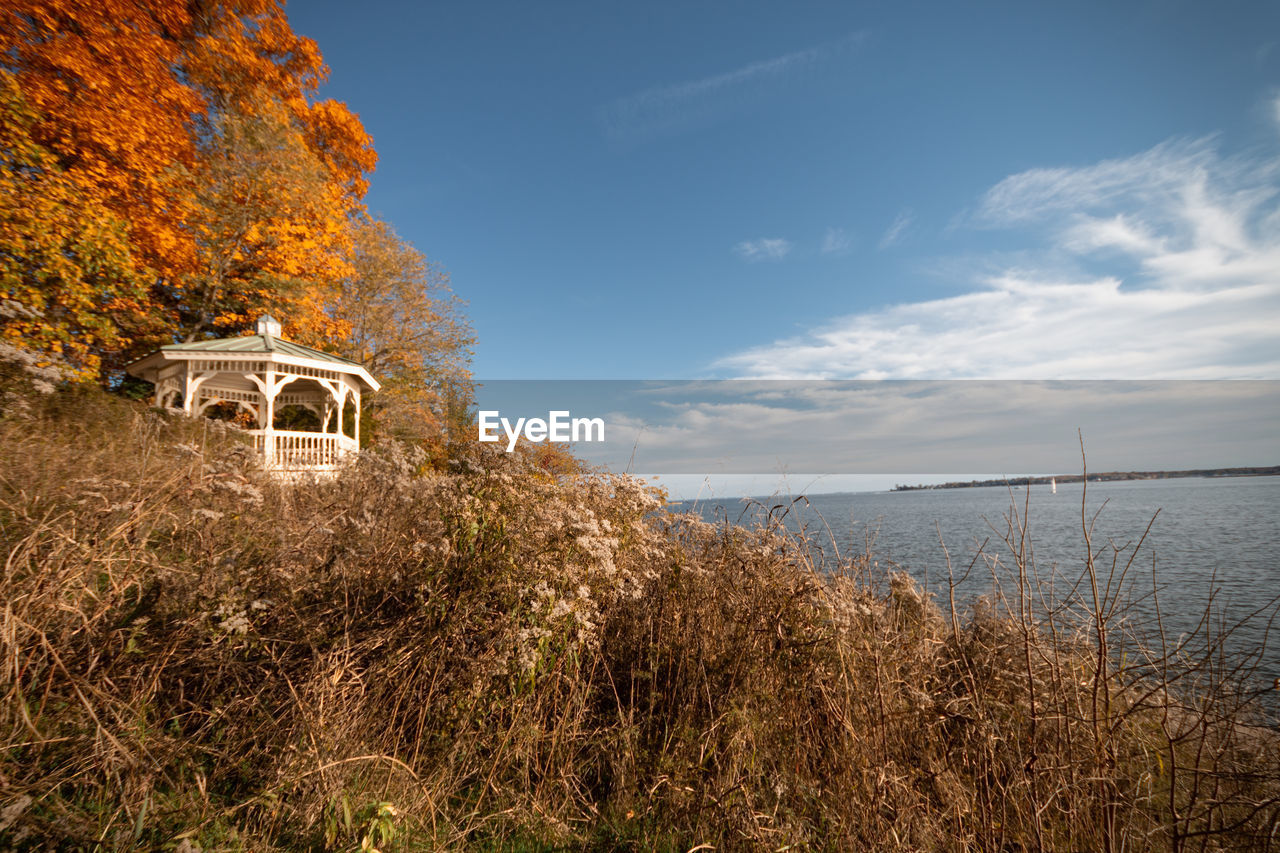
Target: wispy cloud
<point>895,232</point>
<point>836,242</point>
<point>1186,242</point>
<point>764,249</point>
<point>1149,181</point>
<point>667,109</point>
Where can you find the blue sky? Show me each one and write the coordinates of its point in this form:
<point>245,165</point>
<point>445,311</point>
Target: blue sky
<point>857,190</point>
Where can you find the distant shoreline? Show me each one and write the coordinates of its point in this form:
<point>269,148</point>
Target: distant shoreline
<point>1108,476</point>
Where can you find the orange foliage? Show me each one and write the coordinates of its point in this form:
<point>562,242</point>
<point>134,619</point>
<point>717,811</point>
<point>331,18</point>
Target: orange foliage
<point>249,59</point>
<point>100,79</point>
<point>271,226</point>
<point>335,133</point>
<point>66,271</point>
<point>127,102</point>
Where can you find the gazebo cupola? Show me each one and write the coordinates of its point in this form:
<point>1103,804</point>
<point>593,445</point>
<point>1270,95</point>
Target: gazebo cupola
<point>263,373</point>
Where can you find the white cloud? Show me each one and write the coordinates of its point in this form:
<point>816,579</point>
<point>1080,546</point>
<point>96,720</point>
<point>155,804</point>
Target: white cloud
<point>742,427</point>
<point>679,106</point>
<point>764,249</point>
<point>1190,244</point>
<point>836,242</point>
<point>894,233</point>
<point>1117,232</point>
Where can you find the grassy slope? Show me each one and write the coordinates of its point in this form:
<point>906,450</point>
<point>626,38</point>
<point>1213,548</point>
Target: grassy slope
<point>195,657</point>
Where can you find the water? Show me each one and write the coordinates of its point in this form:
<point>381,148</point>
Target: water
<point>1212,541</point>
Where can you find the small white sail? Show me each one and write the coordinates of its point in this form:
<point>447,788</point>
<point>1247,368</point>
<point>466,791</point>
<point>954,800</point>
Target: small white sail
<point>1053,485</point>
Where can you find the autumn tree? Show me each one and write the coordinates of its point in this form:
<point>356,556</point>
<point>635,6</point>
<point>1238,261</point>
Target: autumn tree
<point>66,263</point>
<point>102,141</point>
<point>407,327</point>
<point>279,178</point>
<point>271,230</point>
<point>126,104</point>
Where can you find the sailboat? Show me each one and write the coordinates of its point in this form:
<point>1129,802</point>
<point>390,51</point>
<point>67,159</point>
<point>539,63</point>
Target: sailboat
<point>1053,485</point>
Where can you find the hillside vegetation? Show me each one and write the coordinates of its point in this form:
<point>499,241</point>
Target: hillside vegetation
<point>476,653</point>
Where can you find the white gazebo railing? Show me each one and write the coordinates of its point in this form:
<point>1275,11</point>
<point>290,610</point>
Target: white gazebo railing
<point>293,450</point>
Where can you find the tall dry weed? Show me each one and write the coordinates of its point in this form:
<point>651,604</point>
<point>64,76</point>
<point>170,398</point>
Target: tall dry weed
<point>196,656</point>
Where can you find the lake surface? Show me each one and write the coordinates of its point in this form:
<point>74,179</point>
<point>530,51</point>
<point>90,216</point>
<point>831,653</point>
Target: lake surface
<point>1213,541</point>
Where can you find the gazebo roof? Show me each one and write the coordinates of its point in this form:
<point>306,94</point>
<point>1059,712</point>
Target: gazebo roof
<point>259,344</point>
<point>272,347</point>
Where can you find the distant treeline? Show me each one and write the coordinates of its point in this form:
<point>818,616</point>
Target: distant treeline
<point>1264,471</point>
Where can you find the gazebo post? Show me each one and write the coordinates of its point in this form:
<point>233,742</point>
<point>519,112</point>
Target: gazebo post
<point>189,392</point>
<point>341,412</point>
<point>269,423</point>
<point>357,416</point>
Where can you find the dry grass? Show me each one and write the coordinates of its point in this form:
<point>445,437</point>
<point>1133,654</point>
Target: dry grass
<point>195,657</point>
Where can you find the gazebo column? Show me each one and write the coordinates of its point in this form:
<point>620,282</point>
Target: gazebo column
<point>356,394</point>
<point>338,390</point>
<point>268,388</point>
<point>191,388</point>
<point>169,383</point>
<point>164,391</point>
<point>269,412</point>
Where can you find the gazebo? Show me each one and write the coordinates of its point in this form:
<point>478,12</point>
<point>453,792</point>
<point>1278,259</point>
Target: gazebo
<point>262,374</point>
